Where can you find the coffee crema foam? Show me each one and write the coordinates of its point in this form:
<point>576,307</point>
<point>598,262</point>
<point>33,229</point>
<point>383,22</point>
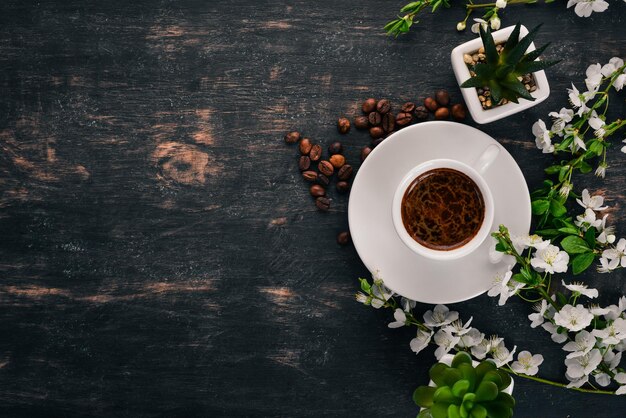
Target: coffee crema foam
<point>443,209</point>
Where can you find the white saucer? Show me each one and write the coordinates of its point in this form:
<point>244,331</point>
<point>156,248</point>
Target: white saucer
<point>371,225</point>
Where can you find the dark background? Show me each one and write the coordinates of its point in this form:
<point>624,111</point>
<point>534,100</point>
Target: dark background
<point>160,255</point>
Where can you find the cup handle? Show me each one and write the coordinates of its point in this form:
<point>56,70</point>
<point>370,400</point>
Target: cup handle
<point>488,156</point>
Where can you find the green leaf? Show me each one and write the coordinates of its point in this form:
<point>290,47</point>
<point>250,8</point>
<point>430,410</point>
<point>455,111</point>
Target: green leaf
<point>557,209</point>
<point>518,277</point>
<point>491,52</point>
<point>513,40</point>
<point>506,379</point>
<point>521,47</point>
<point>498,410</point>
<point>584,167</point>
<point>460,388</point>
<point>453,411</point>
<point>575,245</point>
<point>365,286</point>
<point>436,373</point>
<point>548,233</point>
<point>553,169</point>
<point>411,7</point>
<point>540,206</point>
<point>473,82</point>
<point>487,391</point>
<point>451,376</point>
<point>563,172</point>
<point>533,55</point>
<point>469,374</point>
<point>518,89</point>
<point>590,237</point>
<point>570,230</point>
<point>560,297</point>
<point>483,368</point>
<point>582,262</point>
<point>534,66</point>
<point>443,394</point>
<point>479,411</point>
<point>461,358</point>
<point>506,399</point>
<point>423,396</point>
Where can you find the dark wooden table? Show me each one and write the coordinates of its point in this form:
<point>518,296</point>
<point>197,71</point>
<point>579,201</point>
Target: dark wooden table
<point>159,253</point>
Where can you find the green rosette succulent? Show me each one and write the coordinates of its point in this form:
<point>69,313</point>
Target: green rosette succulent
<point>464,391</point>
<point>501,72</point>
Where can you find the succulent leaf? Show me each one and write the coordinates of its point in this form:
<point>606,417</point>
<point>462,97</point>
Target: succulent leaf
<point>461,358</point>
<point>483,368</point>
<point>453,411</point>
<point>439,410</point>
<point>533,55</point>
<point>520,49</point>
<point>479,411</point>
<point>460,388</point>
<point>513,40</point>
<point>498,410</point>
<point>469,374</point>
<point>436,373</point>
<point>488,43</point>
<point>451,376</point>
<point>486,391</point>
<point>423,396</point>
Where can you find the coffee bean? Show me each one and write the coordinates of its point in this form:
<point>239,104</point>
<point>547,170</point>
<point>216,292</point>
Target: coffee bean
<point>421,113</point>
<point>305,146</point>
<point>442,113</point>
<point>345,172</point>
<point>337,160</point>
<point>442,97</point>
<point>323,180</point>
<point>326,168</point>
<point>389,122</point>
<point>335,148</point>
<point>309,175</point>
<point>374,118</point>
<point>316,190</point>
<point>322,203</point>
<point>368,106</point>
<point>403,119</point>
<point>458,111</point>
<point>343,125</point>
<point>431,104</point>
<point>343,186</point>
<point>377,142</point>
<point>361,122</point>
<point>408,107</point>
<point>343,238</point>
<point>376,132</point>
<point>316,152</point>
<point>304,163</point>
<point>292,137</point>
<point>383,106</point>
<point>365,151</point>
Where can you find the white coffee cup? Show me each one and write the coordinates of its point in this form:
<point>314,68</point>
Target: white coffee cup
<point>474,172</point>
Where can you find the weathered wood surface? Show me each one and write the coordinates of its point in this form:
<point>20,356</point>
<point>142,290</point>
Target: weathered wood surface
<point>159,254</point>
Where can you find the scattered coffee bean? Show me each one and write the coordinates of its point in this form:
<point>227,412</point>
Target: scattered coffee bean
<point>345,172</point>
<point>343,186</point>
<point>304,163</point>
<point>377,141</point>
<point>305,146</point>
<point>408,107</point>
<point>431,104</point>
<point>374,118</point>
<point>403,119</point>
<point>383,106</point>
<point>316,190</point>
<point>389,122</point>
<point>343,238</point>
<point>292,137</point>
<point>361,122</point>
<point>376,132</point>
<point>335,148</point>
<point>442,97</point>
<point>337,160</point>
<point>365,151</point>
<point>343,125</point>
<point>316,152</point>
<point>326,168</point>
<point>322,203</point>
<point>421,113</point>
<point>323,180</point>
<point>442,113</point>
<point>309,175</point>
<point>458,111</point>
<point>368,106</point>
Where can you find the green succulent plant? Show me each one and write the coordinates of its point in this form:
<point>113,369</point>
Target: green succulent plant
<point>465,391</point>
<point>500,71</point>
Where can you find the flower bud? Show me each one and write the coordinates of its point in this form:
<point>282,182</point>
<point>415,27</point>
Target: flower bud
<point>460,26</point>
<point>495,23</point>
<point>501,4</point>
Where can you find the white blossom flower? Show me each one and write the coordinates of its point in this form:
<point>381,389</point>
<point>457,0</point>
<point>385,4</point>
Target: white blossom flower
<point>525,241</point>
<point>504,287</point>
<point>583,343</point>
<point>380,292</point>
<point>542,137</point>
<point>598,311</point>
<point>487,345</point>
<point>591,202</point>
<point>439,316</point>
<point>620,378</point>
<point>537,317</point>
<point>550,259</point>
<point>407,304</point>
<point>446,341</point>
<point>584,8</point>
<point>615,311</point>
<point>619,82</point>
<point>614,64</point>
<point>578,367</point>
<point>471,339</point>
<point>420,341</point>
<point>554,334</point>
<point>574,318</point>
<point>400,319</point>
<point>560,120</point>
<point>623,149</point>
<point>594,76</point>
<point>617,253</point>
<point>460,26</point>
<point>602,379</point>
<point>581,289</point>
<point>597,124</point>
<point>606,235</point>
<point>606,265</point>
<point>576,383</point>
<point>362,298</point>
<point>579,100</point>
<point>527,363</point>
<point>496,256</point>
<point>566,188</point>
<point>500,4</point>
<point>601,170</point>
<point>458,328</point>
<point>476,26</point>
<point>495,22</point>
<point>587,220</point>
<point>502,355</point>
<point>577,142</point>
<point>612,359</point>
<point>613,333</point>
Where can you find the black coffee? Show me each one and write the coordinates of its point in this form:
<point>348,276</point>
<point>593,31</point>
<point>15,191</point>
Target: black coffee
<point>443,209</point>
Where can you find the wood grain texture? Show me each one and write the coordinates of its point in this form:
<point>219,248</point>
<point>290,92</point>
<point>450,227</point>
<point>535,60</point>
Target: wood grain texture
<point>159,253</point>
